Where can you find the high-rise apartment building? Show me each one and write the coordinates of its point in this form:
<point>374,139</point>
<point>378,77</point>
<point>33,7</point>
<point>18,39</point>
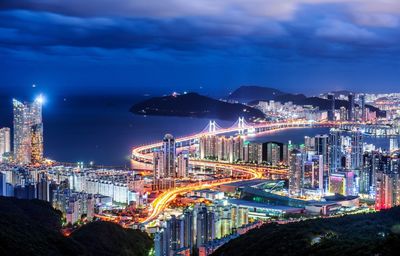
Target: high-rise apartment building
<point>350,108</point>
<point>331,111</point>
<point>295,172</point>
<point>183,164</point>
<point>363,108</point>
<point>4,142</point>
<point>169,155</point>
<point>335,150</point>
<point>356,149</point>
<point>28,132</point>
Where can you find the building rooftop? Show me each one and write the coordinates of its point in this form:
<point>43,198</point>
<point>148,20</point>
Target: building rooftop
<point>262,205</point>
<point>246,183</point>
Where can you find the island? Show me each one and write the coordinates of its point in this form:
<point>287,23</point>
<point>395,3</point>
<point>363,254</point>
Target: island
<point>195,105</point>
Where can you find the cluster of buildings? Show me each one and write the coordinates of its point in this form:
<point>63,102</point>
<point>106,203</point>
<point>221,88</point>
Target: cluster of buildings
<point>341,163</point>
<point>235,149</point>
<point>200,228</point>
<point>28,135</point>
<point>288,110</point>
<point>74,191</point>
<point>168,164</point>
<point>355,109</point>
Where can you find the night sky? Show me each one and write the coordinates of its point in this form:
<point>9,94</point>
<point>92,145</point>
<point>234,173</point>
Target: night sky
<point>208,46</point>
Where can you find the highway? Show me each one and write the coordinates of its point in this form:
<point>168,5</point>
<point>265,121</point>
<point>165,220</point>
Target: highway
<point>163,200</point>
<point>142,153</point>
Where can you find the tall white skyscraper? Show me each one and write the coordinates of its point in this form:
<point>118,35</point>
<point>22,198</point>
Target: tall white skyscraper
<point>28,132</point>
<point>4,142</point>
<point>169,155</point>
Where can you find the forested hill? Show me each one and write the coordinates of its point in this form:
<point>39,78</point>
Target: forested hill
<point>365,234</point>
<point>32,227</point>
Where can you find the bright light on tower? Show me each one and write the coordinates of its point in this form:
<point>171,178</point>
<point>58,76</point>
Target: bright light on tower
<point>40,99</point>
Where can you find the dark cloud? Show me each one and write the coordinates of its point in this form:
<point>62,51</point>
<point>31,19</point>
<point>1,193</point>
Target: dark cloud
<point>228,34</point>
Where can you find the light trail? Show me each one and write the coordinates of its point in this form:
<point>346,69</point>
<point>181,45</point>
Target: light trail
<point>162,201</point>
<point>255,172</point>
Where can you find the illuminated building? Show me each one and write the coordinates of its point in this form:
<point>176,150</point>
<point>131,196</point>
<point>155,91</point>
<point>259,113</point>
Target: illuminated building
<point>43,188</point>
<point>4,142</point>
<point>194,228</point>
<point>169,155</point>
<point>331,111</point>
<point>335,150</point>
<point>343,114</point>
<point>3,184</point>
<point>384,191</point>
<point>205,221</point>
<point>394,144</point>
<point>28,132</point>
<point>295,172</point>
<point>208,146</point>
<point>273,152</point>
<point>253,152</point>
<point>363,108</point>
<point>235,149</point>
<point>341,182</point>
<point>373,162</point>
<point>350,108</point>
<point>183,164</point>
<point>356,149</point>
<point>222,149</point>
<point>158,164</point>
<point>314,173</point>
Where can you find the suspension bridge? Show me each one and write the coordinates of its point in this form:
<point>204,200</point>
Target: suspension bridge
<point>240,127</point>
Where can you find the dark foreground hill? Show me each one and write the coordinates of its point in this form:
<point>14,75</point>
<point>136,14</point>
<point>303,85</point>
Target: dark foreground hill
<point>367,234</point>
<point>195,105</point>
<point>32,227</point>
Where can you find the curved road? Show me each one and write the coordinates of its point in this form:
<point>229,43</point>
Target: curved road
<point>163,200</point>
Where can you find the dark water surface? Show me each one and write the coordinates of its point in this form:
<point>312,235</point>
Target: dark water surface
<point>101,129</point>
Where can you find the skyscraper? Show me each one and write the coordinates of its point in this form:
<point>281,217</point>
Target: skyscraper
<point>331,111</point>
<point>356,149</point>
<point>4,142</point>
<point>335,150</point>
<point>384,191</point>
<point>350,107</point>
<point>28,132</point>
<point>363,110</point>
<point>295,172</point>
<point>183,164</point>
<point>169,155</point>
<point>158,164</point>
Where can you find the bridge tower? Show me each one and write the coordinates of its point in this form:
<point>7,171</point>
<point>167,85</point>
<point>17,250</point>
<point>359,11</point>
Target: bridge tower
<point>241,125</point>
<point>212,127</point>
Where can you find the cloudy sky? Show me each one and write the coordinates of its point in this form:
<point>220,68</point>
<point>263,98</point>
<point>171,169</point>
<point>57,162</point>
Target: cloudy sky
<point>209,46</point>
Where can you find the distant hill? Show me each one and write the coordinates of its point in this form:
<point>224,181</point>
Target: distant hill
<point>363,234</point>
<point>195,105</point>
<point>250,93</point>
<point>32,227</point>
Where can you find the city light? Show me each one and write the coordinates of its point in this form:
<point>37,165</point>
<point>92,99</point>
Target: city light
<point>40,99</point>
